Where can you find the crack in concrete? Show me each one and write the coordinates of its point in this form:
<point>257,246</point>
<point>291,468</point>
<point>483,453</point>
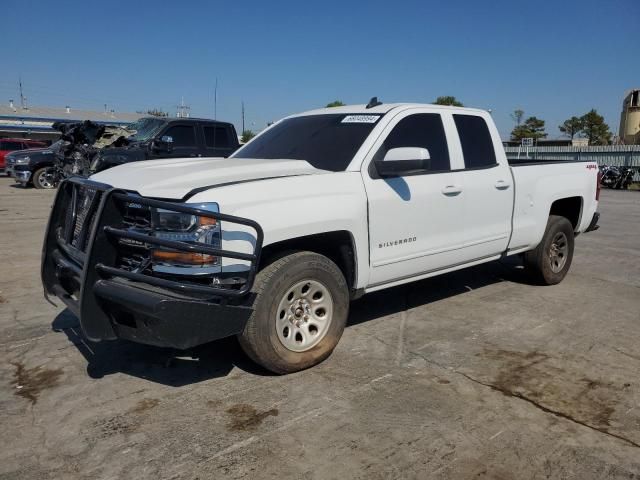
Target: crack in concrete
<point>548,410</point>
<point>520,396</point>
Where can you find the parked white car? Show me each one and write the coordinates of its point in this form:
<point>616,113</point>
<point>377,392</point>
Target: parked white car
<point>321,207</point>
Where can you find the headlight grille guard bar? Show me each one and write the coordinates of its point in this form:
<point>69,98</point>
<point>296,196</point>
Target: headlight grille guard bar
<point>253,258</point>
<point>108,227</point>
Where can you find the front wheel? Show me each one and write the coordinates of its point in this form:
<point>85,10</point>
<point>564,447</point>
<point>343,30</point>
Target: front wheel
<point>549,262</point>
<point>43,178</point>
<point>299,313</point>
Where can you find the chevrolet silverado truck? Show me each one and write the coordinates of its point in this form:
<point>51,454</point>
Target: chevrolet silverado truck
<point>320,208</point>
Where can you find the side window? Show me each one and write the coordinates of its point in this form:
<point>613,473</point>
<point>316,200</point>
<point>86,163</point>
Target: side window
<point>11,145</point>
<point>216,137</point>
<point>424,130</point>
<point>183,135</point>
<point>477,146</point>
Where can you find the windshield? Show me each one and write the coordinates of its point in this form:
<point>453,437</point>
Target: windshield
<point>55,146</point>
<point>327,142</point>
<point>145,128</point>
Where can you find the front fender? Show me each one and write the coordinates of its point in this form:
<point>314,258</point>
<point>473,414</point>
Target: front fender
<point>294,207</point>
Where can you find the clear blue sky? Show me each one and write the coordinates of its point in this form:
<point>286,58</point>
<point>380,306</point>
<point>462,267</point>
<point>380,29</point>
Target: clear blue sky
<point>553,59</point>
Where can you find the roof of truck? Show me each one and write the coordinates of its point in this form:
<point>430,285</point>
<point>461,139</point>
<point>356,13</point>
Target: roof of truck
<point>382,108</point>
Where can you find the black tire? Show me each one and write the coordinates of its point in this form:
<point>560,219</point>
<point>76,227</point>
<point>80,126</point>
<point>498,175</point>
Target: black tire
<point>38,179</point>
<point>543,262</point>
<point>260,339</point>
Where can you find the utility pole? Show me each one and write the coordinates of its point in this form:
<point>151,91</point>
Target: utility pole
<point>243,117</point>
<point>22,99</point>
<point>183,110</point>
<point>215,101</point>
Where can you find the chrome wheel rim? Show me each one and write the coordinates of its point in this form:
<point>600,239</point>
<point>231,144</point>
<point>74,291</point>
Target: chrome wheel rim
<point>44,180</point>
<point>304,315</point>
<point>558,252</point>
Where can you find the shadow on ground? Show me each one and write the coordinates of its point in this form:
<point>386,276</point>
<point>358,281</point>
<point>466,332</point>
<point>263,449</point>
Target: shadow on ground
<point>217,359</point>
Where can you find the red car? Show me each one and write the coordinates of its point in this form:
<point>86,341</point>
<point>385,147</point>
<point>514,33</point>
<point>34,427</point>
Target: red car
<point>12,144</point>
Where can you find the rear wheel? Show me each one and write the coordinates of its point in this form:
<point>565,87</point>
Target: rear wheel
<point>550,261</point>
<point>300,311</point>
<point>43,178</point>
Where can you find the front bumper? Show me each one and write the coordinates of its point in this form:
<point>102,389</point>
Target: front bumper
<point>22,176</point>
<point>594,223</point>
<point>80,266</point>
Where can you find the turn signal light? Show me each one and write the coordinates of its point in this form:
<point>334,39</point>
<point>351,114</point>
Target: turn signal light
<point>184,258</point>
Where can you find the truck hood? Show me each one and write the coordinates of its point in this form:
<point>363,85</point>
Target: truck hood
<point>177,177</point>
<point>31,151</point>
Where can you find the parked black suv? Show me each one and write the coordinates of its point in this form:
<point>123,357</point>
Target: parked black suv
<point>170,138</point>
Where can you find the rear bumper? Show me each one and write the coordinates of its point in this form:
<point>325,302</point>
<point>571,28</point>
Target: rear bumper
<point>594,223</point>
<point>114,303</point>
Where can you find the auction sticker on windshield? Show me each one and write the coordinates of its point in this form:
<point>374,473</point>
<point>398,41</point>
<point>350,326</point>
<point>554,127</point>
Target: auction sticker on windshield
<point>360,119</point>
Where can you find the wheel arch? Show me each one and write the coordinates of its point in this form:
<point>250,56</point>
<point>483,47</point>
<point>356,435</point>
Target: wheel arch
<point>570,208</point>
<point>338,246</point>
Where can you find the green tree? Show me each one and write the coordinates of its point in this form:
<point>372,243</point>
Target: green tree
<point>531,128</point>
<point>448,100</point>
<point>571,127</point>
<point>594,128</point>
<point>517,116</point>
<point>157,112</point>
<point>247,135</point>
<point>335,103</point>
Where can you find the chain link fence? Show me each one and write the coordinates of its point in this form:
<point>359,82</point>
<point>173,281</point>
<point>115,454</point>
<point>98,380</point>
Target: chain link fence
<point>618,155</point>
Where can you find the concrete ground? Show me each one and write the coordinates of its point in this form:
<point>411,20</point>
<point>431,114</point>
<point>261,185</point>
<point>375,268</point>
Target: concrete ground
<point>474,374</point>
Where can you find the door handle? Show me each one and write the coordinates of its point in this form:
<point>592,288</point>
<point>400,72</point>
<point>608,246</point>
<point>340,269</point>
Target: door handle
<point>452,190</point>
<point>502,185</point>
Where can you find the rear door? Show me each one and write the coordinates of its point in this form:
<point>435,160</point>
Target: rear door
<point>487,187</point>
<point>217,140</point>
<point>415,220</point>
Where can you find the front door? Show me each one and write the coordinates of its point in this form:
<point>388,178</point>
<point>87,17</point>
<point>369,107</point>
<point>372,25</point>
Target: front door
<point>415,221</point>
<point>184,143</point>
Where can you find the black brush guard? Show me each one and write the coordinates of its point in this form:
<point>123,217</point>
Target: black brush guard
<point>80,266</point>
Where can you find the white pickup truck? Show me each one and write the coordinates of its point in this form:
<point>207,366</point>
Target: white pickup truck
<point>320,208</point>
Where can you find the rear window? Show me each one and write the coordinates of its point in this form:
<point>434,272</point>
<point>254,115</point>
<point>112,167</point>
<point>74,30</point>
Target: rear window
<point>8,145</point>
<point>327,142</point>
<point>477,146</point>
<point>216,137</point>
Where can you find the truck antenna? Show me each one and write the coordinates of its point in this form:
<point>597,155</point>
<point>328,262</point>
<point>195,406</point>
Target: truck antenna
<point>373,102</point>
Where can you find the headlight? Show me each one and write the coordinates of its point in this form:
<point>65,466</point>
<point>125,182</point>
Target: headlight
<point>183,227</point>
<point>22,160</point>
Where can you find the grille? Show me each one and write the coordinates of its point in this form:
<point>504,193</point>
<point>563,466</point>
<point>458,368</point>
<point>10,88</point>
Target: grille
<point>81,215</point>
<point>134,255</point>
<point>136,216</point>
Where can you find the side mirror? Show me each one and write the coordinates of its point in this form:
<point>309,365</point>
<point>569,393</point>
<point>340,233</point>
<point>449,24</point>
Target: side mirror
<point>404,161</point>
<point>163,144</point>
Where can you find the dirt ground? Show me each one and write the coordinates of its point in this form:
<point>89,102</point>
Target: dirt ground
<point>474,374</point>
